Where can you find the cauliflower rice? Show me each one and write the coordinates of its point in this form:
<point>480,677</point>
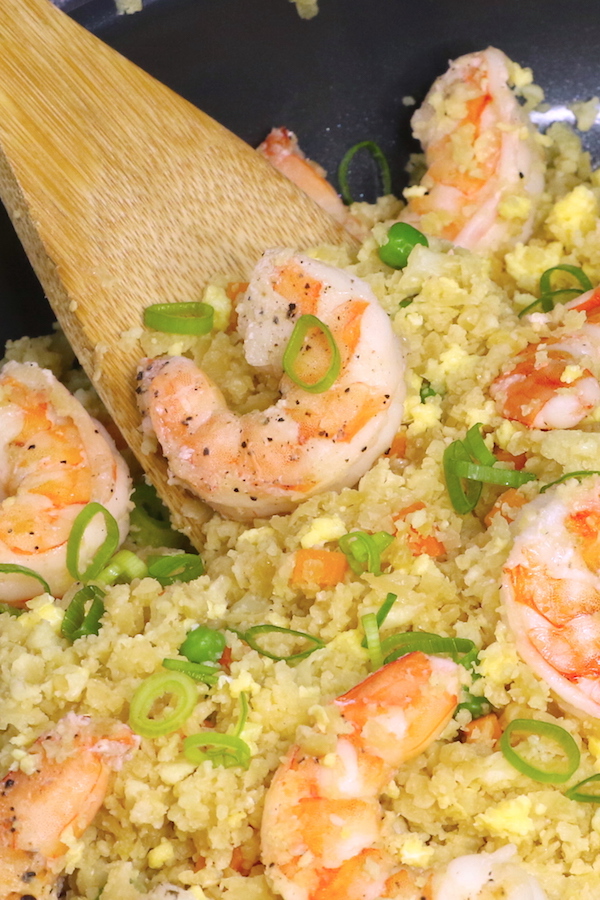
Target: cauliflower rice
<point>167,823</point>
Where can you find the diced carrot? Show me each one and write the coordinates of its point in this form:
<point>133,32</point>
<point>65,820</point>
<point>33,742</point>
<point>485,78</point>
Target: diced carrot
<point>225,660</point>
<point>507,505</point>
<point>323,567</point>
<point>486,729</point>
<point>398,446</point>
<point>504,456</point>
<point>420,543</point>
<point>235,288</point>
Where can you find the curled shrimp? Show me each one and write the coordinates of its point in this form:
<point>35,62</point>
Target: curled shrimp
<point>485,165</point>
<point>484,876</point>
<point>550,386</point>
<point>54,459</point>
<point>42,811</point>
<point>551,591</point>
<point>266,462</point>
<point>322,818</point>
<point>282,150</point>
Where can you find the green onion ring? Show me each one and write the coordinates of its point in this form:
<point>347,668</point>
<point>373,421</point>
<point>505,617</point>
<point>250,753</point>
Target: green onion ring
<point>574,793</point>
<point>584,473</point>
<point>488,475</point>
<point>294,346</point>
<point>548,301</point>
<point>10,568</point>
<point>463,499</point>
<point>180,318</point>
<point>462,650</point>
<point>373,640</point>
<point>577,273</point>
<point>546,729</point>
<point>183,689</point>
<point>180,567</point>
<point>363,550</point>
<point>76,622</point>
<point>381,161</point>
<point>104,551</point>
<point>124,563</point>
<point>248,637</point>
<point>382,612</point>
<point>229,750</point>
<point>477,447</point>
<point>197,671</point>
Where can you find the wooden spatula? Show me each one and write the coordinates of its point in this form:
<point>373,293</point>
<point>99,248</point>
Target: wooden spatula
<point>124,194</point>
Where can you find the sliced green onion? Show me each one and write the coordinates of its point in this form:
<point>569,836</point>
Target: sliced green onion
<point>363,551</point>
<point>76,621</point>
<point>203,644</point>
<point>548,297</point>
<point>371,628</point>
<point>294,347</point>
<point>249,637</point>
<point>149,521</point>
<point>477,447</point>
<point>584,473</point>
<point>10,568</point>
<point>380,160</point>
<point>158,686</point>
<point>577,273</point>
<point>180,318</point>
<point>402,238</point>
<point>229,749</point>
<point>464,498</point>
<point>462,650</point>
<point>575,792</point>
<point>207,674</point>
<point>382,612</point>
<point>426,391</point>
<point>554,733</point>
<point>406,302</point>
<point>488,475</point>
<point>123,564</point>
<point>104,551</point>
<point>476,705</point>
<point>180,567</point>
<point>11,610</point>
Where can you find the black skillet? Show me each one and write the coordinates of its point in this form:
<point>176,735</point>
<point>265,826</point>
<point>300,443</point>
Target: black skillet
<point>336,79</point>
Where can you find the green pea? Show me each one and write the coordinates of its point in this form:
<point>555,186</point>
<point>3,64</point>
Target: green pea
<point>402,237</point>
<point>203,644</point>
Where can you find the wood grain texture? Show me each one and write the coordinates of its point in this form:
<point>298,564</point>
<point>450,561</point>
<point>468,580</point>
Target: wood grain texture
<point>124,194</point>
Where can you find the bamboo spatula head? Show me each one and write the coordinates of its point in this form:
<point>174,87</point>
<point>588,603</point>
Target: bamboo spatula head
<point>124,194</point>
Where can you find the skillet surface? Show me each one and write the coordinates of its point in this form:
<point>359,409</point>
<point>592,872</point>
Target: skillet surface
<point>336,79</point>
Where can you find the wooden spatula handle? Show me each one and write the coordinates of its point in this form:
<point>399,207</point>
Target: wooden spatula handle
<point>124,194</point>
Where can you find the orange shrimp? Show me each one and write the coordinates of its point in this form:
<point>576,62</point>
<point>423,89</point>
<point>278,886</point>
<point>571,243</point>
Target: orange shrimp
<point>282,150</point>
<point>60,798</point>
<point>481,152</point>
<point>550,387</point>
<point>266,462</point>
<point>54,459</point>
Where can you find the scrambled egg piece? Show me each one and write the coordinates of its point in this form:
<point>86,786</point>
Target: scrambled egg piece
<point>508,818</point>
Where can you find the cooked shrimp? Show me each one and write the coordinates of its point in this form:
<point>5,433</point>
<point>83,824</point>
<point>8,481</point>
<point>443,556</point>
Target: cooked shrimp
<point>484,876</point>
<point>322,819</point>
<point>551,591</point>
<point>42,812</point>
<point>550,387</point>
<point>282,150</point>
<point>485,165</point>
<point>266,462</point>
<point>54,459</point>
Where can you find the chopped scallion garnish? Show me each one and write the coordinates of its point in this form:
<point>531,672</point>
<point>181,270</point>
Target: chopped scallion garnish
<point>76,539</point>
<point>550,774</point>
<point>364,550</point>
<point>380,160</point>
<point>180,567</point>
<point>13,568</point>
<point>584,473</point>
<point>226,749</point>
<point>250,635</point>
<point>373,640</point>
<point>575,792</point>
<point>462,650</point>
<point>549,297</point>
<point>197,671</point>
<point>156,688</point>
<point>190,317</point>
<point>123,564</point>
<point>384,609</point>
<point>294,348</point>
<point>76,621</point>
